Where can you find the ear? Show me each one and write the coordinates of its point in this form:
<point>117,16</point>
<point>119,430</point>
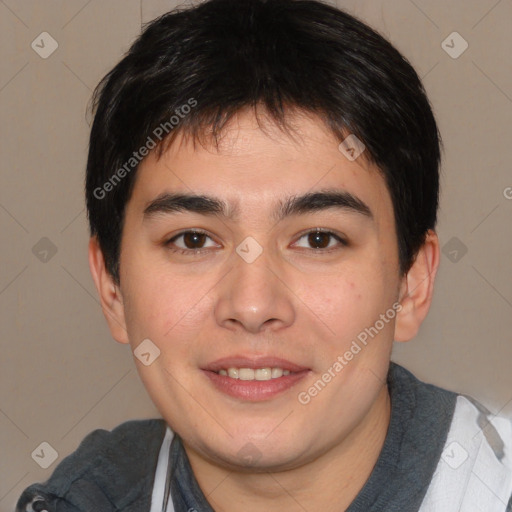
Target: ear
<point>110,294</point>
<point>417,288</point>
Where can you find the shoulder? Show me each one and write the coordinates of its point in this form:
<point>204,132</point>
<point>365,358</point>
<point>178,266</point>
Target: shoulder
<point>426,400</point>
<point>470,447</point>
<point>475,468</point>
<point>108,471</point>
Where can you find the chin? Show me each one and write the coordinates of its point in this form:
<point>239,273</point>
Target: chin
<point>257,455</point>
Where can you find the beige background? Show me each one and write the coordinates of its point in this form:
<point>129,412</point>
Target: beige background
<point>62,376</point>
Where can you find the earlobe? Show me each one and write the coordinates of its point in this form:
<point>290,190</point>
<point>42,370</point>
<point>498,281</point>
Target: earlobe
<point>109,293</point>
<point>417,289</point>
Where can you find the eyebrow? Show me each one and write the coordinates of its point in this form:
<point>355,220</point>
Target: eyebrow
<point>169,203</point>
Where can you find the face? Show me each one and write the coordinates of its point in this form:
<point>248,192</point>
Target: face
<point>251,281</point>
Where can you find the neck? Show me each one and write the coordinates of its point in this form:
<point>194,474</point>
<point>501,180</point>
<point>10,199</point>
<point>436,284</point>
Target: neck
<point>329,483</point>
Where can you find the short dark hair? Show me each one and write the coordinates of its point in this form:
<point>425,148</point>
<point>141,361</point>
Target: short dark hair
<point>192,70</point>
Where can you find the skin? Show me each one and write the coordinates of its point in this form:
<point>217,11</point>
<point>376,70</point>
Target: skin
<point>295,301</point>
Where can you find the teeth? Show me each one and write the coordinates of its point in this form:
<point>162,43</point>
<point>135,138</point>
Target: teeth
<point>246,374</point>
<point>263,374</point>
<point>254,374</point>
<point>276,373</point>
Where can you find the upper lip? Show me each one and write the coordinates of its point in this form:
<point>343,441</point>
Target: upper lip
<point>253,362</point>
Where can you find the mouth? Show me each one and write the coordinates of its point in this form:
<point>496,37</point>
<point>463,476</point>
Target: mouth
<point>254,373</point>
<point>254,379</point>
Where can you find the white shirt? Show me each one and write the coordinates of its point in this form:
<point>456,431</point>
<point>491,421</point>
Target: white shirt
<point>474,473</point>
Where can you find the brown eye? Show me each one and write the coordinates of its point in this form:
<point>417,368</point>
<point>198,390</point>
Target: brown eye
<point>193,240</point>
<point>189,242</point>
<point>318,240</point>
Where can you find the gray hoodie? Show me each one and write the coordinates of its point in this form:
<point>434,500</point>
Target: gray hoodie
<point>114,471</point>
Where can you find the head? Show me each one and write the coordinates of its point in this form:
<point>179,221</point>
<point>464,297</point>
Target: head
<point>235,120</point>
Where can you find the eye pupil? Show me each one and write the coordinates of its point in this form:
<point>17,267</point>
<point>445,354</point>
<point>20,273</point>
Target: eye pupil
<point>316,239</point>
<point>192,239</point>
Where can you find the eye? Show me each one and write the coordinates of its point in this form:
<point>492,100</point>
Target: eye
<point>322,240</point>
<point>190,241</point>
<point>193,241</point>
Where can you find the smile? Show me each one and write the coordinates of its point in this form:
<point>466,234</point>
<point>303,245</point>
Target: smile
<point>254,374</point>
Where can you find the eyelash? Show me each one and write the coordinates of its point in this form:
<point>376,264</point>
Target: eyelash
<point>168,243</point>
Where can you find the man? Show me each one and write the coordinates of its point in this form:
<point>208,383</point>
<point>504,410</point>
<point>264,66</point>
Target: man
<point>262,189</point>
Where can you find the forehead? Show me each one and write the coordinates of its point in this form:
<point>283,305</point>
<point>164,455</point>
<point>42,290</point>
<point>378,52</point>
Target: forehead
<point>254,166</point>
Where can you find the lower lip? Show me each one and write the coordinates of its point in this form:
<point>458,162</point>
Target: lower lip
<point>254,390</point>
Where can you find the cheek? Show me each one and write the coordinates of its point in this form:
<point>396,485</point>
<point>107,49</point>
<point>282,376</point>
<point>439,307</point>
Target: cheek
<point>348,305</point>
<point>159,305</point>
<point>337,302</point>
<point>336,299</point>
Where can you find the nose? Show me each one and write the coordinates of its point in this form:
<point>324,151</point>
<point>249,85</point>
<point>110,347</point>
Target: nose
<point>255,296</point>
